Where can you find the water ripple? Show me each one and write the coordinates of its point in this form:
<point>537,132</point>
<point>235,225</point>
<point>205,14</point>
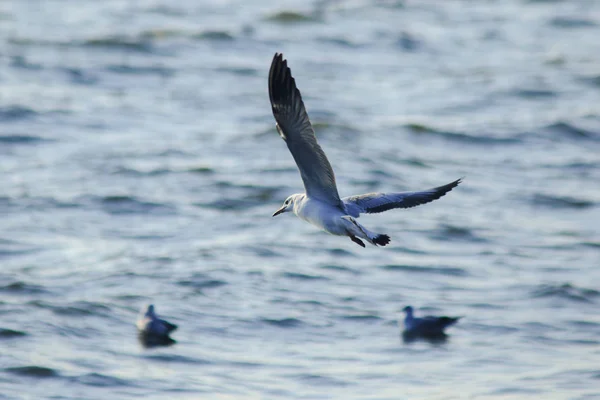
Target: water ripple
<point>15,113</point>
<point>119,205</point>
<point>303,277</point>
<point>283,323</point>
<point>10,333</point>
<point>449,271</point>
<point>561,202</point>
<point>101,380</point>
<point>23,288</point>
<point>569,130</point>
<point>459,137</point>
<point>566,291</point>
<point>291,17</point>
<point>20,139</point>
<point>33,371</point>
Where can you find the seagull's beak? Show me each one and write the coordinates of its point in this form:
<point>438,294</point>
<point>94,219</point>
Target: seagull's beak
<point>282,209</point>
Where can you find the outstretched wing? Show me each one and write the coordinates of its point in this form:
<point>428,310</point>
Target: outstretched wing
<point>295,128</point>
<point>379,202</point>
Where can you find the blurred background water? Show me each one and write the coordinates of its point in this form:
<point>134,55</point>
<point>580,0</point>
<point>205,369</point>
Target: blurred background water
<point>139,163</point>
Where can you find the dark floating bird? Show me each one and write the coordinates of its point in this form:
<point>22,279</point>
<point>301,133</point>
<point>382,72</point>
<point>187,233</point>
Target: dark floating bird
<point>428,327</point>
<point>153,331</point>
<point>321,204</point>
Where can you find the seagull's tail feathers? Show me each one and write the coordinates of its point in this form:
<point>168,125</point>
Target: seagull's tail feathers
<point>356,230</point>
<point>447,321</point>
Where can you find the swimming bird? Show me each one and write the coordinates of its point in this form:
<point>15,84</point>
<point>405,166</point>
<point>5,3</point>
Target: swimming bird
<point>152,330</point>
<point>321,204</point>
<point>428,326</point>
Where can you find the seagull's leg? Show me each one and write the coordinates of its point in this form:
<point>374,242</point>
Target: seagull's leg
<point>356,240</point>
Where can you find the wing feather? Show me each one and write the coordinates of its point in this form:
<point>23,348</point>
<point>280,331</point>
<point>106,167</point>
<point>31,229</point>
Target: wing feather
<point>295,128</point>
<point>379,202</point>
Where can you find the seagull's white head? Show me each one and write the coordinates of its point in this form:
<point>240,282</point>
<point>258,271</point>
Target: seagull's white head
<point>288,204</point>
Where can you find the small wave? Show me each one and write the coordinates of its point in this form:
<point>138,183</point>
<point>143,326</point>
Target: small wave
<point>10,334</point>
<point>176,358</point>
<point>20,61</point>
<point>291,17</point>
<point>449,271</point>
<point>303,277</point>
<point>141,70</point>
<point>594,245</point>
<point>340,252</point>
<point>571,22</point>
<point>167,10</point>
<point>80,76</point>
<point>21,287</point>
<point>593,80</point>
<point>408,42</point>
<point>201,284</point>
<point>130,205</point>
<point>242,71</point>
<point>254,197</point>
<point>561,202</point>
<point>457,233</point>
<point>201,170</point>
<point>460,137</point>
<point>214,35</point>
<point>284,322</point>
<point>100,380</point>
<point>320,380</point>
<point>35,203</point>
<point>361,317</point>
<point>262,251</point>
<point>20,139</point>
<point>156,34</point>
<point>16,112</point>
<point>570,131</point>
<point>33,371</point>
<point>535,93</point>
<point>76,309</point>
<point>10,248</point>
<point>340,41</point>
<point>593,326</point>
<point>566,291</point>
<point>341,268</point>
<point>141,44</point>
<point>325,127</point>
<point>127,171</point>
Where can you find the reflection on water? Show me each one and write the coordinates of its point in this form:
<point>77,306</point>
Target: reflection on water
<point>435,338</point>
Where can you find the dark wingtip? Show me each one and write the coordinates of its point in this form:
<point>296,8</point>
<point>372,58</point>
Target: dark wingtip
<point>381,240</point>
<point>282,86</point>
<point>441,191</point>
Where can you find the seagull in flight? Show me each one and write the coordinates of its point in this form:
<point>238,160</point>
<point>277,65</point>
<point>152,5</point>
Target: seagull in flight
<point>321,204</point>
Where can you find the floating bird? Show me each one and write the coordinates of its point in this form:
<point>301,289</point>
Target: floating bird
<point>154,331</point>
<point>321,204</point>
<point>428,326</point>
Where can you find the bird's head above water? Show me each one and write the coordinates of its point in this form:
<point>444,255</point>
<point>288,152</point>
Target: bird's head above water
<point>150,311</point>
<point>288,204</point>
<point>408,310</point>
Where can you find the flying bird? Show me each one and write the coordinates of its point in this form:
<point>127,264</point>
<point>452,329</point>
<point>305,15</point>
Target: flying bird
<point>321,204</point>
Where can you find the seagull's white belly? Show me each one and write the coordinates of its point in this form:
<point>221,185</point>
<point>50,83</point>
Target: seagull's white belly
<point>322,215</point>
